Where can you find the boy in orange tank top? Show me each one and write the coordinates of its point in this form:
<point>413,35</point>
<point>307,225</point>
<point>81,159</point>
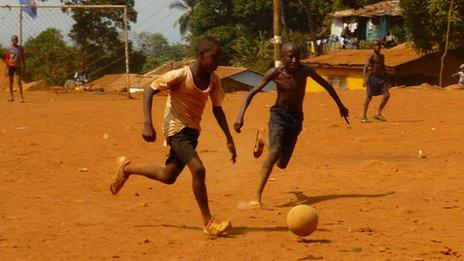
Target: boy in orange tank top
<point>189,89</point>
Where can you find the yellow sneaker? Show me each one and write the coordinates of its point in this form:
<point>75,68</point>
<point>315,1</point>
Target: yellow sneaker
<point>216,227</point>
<point>120,176</point>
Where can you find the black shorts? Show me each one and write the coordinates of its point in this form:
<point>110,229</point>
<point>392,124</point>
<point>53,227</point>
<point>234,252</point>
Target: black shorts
<point>284,128</point>
<point>12,71</point>
<point>376,85</point>
<point>183,145</point>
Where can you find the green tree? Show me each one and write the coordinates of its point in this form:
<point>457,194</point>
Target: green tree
<point>244,27</point>
<point>49,58</point>
<point>188,6</point>
<point>2,52</point>
<point>153,44</point>
<point>98,35</point>
<point>157,50</point>
<point>426,24</point>
<point>255,53</point>
<point>150,63</point>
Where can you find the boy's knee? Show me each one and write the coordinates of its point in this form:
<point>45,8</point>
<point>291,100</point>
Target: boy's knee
<point>199,172</point>
<point>169,180</point>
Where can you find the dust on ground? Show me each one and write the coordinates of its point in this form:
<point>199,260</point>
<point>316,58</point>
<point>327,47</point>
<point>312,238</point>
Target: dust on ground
<point>375,196</point>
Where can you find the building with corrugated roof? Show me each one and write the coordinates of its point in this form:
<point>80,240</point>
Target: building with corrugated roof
<point>240,79</point>
<point>405,66</point>
<point>370,23</point>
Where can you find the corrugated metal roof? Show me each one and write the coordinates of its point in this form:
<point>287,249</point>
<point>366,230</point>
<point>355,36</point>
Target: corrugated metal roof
<point>227,71</point>
<point>394,57</point>
<point>390,8</point>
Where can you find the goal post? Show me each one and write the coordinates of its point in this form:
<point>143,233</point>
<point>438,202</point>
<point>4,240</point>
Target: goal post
<point>12,15</point>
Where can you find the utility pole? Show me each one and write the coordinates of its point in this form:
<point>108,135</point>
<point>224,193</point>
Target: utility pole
<point>442,65</point>
<point>277,32</point>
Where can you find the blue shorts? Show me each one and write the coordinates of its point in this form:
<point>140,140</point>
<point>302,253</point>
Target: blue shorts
<point>284,127</point>
<point>376,85</point>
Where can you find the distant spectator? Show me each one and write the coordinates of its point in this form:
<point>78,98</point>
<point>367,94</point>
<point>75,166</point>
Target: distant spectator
<point>14,63</point>
<point>376,83</point>
<point>460,74</point>
<point>82,76</point>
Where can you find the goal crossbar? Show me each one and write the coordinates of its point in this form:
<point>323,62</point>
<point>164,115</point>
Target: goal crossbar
<point>61,6</point>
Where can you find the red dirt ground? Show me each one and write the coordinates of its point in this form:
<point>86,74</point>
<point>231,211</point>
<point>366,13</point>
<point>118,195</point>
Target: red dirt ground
<point>376,199</point>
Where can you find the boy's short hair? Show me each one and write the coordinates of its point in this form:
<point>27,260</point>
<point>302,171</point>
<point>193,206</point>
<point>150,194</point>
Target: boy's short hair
<point>291,44</point>
<point>207,44</point>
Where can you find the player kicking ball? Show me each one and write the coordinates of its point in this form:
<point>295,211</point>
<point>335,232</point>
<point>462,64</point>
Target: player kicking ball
<point>286,116</point>
<point>189,89</point>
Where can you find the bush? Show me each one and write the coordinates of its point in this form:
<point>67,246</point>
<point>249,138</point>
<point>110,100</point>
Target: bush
<point>48,58</point>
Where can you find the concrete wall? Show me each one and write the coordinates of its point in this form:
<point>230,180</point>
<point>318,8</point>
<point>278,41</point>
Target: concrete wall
<point>354,78</point>
<point>427,69</point>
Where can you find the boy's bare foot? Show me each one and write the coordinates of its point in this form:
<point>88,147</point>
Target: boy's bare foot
<point>260,141</point>
<point>379,117</point>
<point>217,227</point>
<point>245,205</point>
<point>10,98</point>
<point>22,100</point>
<point>120,176</point>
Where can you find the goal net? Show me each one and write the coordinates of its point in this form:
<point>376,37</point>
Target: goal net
<point>62,40</point>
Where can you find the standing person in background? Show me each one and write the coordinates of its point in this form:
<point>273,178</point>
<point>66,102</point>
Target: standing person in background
<point>460,74</point>
<point>376,82</point>
<point>15,66</point>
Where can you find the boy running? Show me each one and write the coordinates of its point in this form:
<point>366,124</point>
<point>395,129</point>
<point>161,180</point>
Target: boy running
<point>376,83</point>
<point>189,89</point>
<point>286,116</point>
<point>14,63</point>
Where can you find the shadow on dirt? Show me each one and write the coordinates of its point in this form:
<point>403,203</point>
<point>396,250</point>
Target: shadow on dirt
<point>302,199</point>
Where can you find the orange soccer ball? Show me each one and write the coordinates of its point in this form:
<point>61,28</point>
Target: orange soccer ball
<point>302,220</point>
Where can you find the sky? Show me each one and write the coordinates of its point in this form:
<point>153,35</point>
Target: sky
<point>153,16</point>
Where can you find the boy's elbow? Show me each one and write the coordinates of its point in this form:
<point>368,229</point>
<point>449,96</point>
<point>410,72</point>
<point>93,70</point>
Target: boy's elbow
<point>150,91</point>
<point>217,109</point>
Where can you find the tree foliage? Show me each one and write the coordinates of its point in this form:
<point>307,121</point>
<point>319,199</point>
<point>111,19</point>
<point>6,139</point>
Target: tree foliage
<point>49,58</point>
<point>98,35</point>
<point>188,7</point>
<point>245,28</point>
<point>426,24</point>
<point>2,52</point>
<point>157,50</point>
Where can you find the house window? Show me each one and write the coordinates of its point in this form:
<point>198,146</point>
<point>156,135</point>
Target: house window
<point>338,82</point>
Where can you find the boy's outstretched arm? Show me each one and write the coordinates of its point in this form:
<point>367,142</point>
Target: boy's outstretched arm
<point>222,121</point>
<point>247,100</point>
<point>321,81</point>
<point>148,133</point>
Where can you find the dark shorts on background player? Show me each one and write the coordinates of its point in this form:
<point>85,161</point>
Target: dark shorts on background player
<point>183,145</point>
<point>12,71</point>
<point>284,127</point>
<point>376,85</point>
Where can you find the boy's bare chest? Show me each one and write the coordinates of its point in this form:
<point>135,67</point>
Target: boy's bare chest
<point>291,82</point>
<point>378,59</point>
